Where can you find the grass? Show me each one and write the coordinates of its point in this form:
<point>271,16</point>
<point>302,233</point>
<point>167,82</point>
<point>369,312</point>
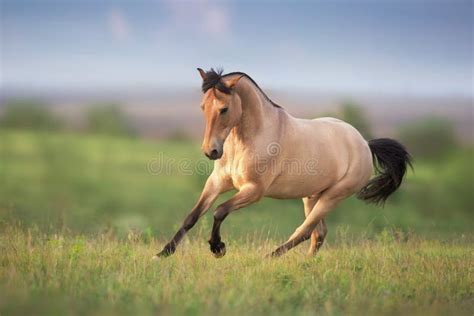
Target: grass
<point>66,274</point>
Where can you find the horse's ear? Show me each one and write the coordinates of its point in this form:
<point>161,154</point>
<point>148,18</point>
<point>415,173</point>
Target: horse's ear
<point>202,73</point>
<point>231,82</point>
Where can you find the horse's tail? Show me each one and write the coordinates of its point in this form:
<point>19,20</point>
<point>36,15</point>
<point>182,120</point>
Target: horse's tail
<point>390,160</point>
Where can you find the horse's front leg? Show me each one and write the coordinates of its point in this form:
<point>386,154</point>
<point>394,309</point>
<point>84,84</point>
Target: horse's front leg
<point>211,191</point>
<point>248,194</point>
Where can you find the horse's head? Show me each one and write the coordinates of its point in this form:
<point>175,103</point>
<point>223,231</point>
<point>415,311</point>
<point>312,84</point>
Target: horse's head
<point>222,110</point>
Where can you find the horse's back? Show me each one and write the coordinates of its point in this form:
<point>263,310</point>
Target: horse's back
<point>335,134</point>
<point>343,139</point>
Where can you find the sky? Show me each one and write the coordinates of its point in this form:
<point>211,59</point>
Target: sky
<point>398,47</point>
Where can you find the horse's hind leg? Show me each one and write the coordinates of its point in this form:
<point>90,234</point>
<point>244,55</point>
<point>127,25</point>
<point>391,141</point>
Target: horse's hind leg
<point>318,236</point>
<point>304,231</point>
<point>327,201</point>
<point>319,233</point>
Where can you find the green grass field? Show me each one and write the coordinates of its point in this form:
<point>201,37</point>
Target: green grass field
<point>82,215</point>
<point>62,274</point>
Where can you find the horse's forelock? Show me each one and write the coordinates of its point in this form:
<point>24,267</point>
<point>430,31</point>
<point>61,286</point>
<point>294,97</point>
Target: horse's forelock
<point>213,80</point>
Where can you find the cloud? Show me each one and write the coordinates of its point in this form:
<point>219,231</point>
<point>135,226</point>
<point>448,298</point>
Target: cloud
<point>200,17</point>
<point>118,24</point>
<point>216,20</point>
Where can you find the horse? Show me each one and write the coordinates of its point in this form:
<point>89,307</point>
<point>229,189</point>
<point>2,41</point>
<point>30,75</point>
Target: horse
<point>260,150</point>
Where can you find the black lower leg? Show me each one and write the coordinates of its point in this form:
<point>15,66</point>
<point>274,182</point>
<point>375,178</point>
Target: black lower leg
<point>170,247</point>
<point>216,245</point>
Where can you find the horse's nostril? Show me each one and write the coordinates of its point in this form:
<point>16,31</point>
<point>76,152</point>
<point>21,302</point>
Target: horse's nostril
<point>213,154</point>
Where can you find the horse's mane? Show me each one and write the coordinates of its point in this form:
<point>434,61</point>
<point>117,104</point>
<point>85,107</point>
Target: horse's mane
<point>213,80</point>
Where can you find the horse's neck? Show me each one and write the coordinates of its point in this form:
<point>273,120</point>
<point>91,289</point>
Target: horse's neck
<point>257,113</point>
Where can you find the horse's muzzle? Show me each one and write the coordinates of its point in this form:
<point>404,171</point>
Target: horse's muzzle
<point>214,154</point>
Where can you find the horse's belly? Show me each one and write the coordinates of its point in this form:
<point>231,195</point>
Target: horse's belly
<point>292,187</point>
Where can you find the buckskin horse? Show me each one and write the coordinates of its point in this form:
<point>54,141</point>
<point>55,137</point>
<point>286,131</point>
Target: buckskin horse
<point>260,150</point>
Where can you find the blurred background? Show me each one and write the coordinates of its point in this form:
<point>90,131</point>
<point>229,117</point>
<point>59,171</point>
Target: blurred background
<point>100,101</point>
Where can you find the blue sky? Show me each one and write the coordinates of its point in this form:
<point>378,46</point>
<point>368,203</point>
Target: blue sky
<point>415,47</point>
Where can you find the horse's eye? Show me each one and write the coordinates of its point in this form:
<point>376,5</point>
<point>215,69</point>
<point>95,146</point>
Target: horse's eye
<point>223,110</point>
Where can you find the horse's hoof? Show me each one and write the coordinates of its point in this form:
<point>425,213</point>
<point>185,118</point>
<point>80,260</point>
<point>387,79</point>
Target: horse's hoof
<point>274,254</point>
<point>218,249</point>
<point>220,253</point>
<point>166,252</point>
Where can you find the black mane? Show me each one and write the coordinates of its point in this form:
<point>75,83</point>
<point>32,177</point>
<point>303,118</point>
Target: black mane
<point>213,80</point>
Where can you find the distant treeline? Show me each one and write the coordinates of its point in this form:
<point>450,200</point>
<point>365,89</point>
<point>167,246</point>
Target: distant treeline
<point>429,137</point>
<point>103,118</point>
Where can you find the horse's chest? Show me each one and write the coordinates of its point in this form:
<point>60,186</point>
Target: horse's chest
<point>237,172</point>
<point>238,176</point>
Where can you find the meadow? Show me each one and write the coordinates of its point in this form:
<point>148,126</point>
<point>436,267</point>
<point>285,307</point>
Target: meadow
<point>81,216</point>
<point>63,274</point>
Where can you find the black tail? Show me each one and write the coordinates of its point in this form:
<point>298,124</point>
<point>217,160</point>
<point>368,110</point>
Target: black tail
<point>391,160</point>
